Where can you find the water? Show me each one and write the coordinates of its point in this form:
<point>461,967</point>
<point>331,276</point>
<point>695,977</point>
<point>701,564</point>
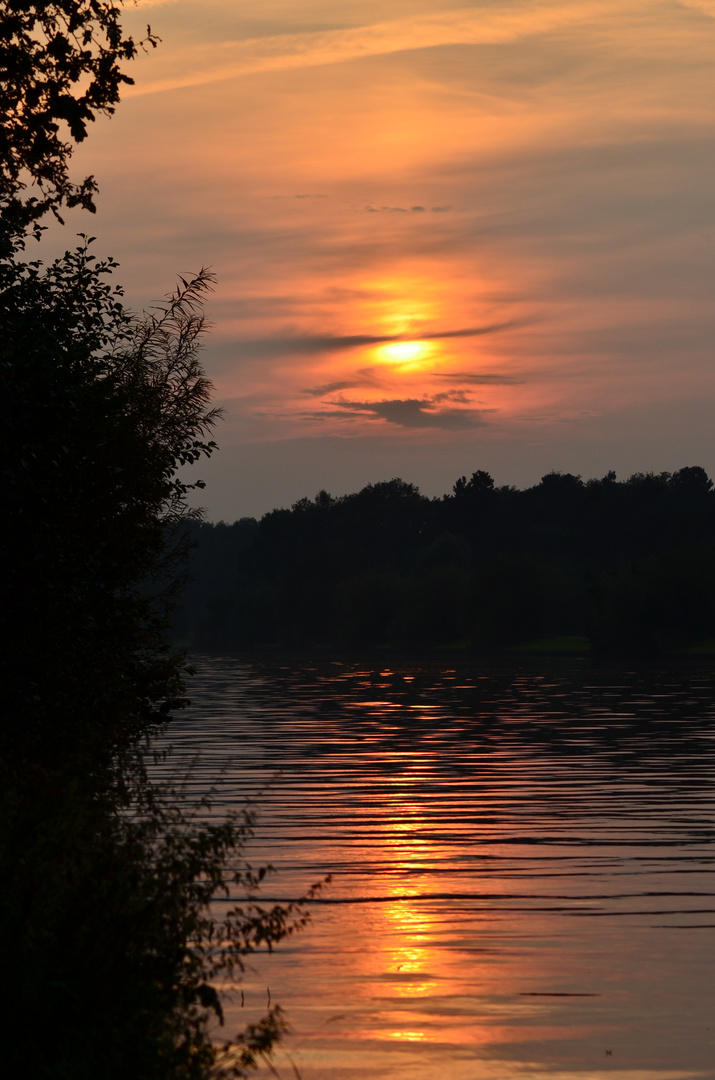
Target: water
<point>522,864</point>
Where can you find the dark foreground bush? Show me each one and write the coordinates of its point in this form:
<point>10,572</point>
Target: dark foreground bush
<point>110,947</point>
<point>109,942</point>
<point>110,937</point>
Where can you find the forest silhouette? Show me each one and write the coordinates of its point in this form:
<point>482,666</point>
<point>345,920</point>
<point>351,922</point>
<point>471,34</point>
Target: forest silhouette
<point>617,567</point>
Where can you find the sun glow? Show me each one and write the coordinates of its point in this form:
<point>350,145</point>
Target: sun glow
<point>406,352</point>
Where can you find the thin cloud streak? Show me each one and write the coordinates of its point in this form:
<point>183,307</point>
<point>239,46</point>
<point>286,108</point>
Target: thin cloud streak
<point>312,345</point>
<point>479,378</point>
<point>203,64</point>
<point>330,388</point>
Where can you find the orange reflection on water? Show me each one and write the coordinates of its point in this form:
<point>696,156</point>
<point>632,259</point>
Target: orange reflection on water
<point>407,958</point>
<point>408,1036</point>
<point>409,955</point>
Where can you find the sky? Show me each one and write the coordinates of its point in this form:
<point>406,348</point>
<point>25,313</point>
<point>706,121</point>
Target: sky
<point>446,238</point>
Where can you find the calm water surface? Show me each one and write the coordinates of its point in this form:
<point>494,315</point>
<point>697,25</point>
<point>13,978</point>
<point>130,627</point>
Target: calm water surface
<point>522,863</point>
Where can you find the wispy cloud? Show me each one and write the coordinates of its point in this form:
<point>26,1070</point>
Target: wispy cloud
<point>473,331</point>
<point>459,26</point>
<point>329,388</point>
<point>706,6</point>
<point>315,344</point>
<point>305,196</point>
<point>407,209</point>
<point>479,378</point>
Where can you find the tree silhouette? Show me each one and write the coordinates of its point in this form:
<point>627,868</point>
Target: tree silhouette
<point>102,410</point>
<point>108,878</point>
<point>60,66</point>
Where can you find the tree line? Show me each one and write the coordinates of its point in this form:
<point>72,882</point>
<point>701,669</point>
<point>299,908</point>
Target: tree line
<point>617,566</point>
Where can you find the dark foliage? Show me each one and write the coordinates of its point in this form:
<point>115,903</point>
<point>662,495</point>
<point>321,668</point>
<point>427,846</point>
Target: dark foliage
<point>101,412</point>
<point>107,879</point>
<point>109,934</point>
<point>60,66</point>
<point>629,564</point>
<point>111,946</point>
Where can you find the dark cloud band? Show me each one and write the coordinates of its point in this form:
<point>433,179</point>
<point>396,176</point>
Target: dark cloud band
<point>410,413</point>
<point>478,378</point>
<point>310,345</point>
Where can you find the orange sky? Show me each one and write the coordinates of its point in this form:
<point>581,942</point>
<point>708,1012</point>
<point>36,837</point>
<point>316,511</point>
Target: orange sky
<point>446,238</point>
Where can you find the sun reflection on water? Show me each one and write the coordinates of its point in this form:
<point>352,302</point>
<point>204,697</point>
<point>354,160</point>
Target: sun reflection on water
<point>408,1036</point>
<point>409,960</point>
<point>466,938</point>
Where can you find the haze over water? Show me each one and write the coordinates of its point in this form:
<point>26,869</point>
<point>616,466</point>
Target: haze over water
<point>447,237</point>
<point>523,863</point>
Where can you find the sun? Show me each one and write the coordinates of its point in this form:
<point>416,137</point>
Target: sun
<point>405,352</point>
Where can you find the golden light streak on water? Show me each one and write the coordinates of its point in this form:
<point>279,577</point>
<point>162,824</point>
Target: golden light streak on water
<point>523,866</point>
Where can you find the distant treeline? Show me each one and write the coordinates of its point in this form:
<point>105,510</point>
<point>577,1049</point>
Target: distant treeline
<point>626,566</point>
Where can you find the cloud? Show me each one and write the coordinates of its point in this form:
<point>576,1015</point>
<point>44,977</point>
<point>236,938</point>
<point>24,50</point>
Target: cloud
<point>386,210</point>
<point>315,344</point>
<point>208,62</point>
<point>406,209</point>
<point>472,331</point>
<point>306,196</point>
<point>706,6</point>
<point>463,397</point>
<point>328,388</point>
<point>307,344</point>
<point>478,378</point>
<point>410,413</point>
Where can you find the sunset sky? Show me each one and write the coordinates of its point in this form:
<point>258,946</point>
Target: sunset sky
<point>447,238</point>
